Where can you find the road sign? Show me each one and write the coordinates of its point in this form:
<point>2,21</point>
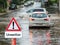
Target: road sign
<point>13,30</point>
<point>13,26</point>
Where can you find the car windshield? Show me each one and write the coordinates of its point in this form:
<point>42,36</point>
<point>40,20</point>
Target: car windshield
<point>13,5</point>
<point>36,15</point>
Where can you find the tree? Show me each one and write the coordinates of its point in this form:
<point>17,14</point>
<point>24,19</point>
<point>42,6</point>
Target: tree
<point>3,6</point>
<point>52,1</point>
<point>3,3</point>
<point>18,2</point>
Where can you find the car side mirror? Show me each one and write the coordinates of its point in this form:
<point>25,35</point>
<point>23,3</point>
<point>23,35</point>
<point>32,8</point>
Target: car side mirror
<point>29,15</point>
<point>49,15</point>
<point>28,11</point>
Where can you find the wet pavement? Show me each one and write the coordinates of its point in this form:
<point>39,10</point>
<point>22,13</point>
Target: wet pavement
<point>38,35</point>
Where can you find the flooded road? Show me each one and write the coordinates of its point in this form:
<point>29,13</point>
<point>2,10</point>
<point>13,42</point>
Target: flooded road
<point>38,36</point>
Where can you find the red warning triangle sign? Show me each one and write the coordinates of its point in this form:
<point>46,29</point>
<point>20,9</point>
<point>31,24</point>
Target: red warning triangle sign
<point>13,25</point>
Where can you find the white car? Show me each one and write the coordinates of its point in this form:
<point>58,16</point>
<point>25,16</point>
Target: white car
<point>29,3</point>
<point>40,19</point>
<point>37,5</point>
<point>37,10</point>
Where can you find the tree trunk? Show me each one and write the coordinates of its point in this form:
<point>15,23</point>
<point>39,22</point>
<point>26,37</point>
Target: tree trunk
<point>59,5</point>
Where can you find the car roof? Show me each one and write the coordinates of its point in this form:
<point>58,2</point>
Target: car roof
<point>40,12</point>
<point>38,8</point>
<point>37,13</point>
<point>28,2</point>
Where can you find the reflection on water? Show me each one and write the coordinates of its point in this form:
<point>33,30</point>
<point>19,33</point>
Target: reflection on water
<point>39,36</point>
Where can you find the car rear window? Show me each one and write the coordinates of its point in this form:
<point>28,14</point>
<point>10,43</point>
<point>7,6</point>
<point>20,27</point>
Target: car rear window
<point>37,10</point>
<point>39,15</point>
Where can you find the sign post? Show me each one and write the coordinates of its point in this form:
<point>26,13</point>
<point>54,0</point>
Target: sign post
<point>13,41</point>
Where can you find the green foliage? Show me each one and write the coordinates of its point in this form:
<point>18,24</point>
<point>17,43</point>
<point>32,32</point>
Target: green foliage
<point>51,2</point>
<point>18,2</point>
<point>3,3</point>
<point>2,10</point>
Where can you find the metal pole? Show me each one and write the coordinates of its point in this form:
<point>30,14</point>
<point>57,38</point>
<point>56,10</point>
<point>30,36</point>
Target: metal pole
<point>13,41</point>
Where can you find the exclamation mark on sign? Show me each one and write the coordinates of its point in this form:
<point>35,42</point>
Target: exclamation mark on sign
<point>13,25</point>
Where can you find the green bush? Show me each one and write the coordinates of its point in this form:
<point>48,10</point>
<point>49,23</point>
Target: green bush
<point>2,10</point>
<point>51,2</point>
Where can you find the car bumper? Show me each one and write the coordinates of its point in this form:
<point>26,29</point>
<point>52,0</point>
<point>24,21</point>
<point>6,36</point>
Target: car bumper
<point>41,24</point>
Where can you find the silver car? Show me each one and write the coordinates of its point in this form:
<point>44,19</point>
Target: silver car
<point>40,19</point>
<point>37,10</point>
